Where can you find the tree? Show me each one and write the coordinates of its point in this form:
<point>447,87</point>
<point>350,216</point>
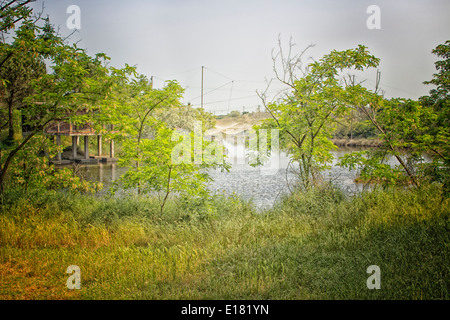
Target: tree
<point>440,95</point>
<point>77,82</point>
<point>184,116</point>
<point>18,73</point>
<point>29,169</point>
<point>418,127</point>
<point>168,164</point>
<point>13,11</point>
<point>151,147</point>
<point>437,135</point>
<point>306,115</point>
<point>132,116</point>
<point>376,108</point>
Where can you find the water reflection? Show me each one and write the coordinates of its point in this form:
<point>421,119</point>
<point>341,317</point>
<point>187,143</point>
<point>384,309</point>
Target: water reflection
<point>105,173</point>
<point>260,185</point>
<point>263,185</point>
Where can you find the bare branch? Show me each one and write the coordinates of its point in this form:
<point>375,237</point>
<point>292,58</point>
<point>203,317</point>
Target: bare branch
<point>289,64</point>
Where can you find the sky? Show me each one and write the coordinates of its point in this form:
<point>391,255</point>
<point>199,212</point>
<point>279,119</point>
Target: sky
<point>233,41</point>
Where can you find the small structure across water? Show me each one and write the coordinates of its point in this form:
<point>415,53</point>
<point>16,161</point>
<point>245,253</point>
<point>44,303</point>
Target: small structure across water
<point>86,131</point>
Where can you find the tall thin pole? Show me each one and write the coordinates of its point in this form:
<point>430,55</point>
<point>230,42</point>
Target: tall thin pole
<point>202,85</point>
<point>231,91</point>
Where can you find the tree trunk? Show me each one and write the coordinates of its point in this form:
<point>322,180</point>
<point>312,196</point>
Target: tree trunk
<point>10,157</point>
<point>13,152</point>
<point>399,159</point>
<point>167,191</point>
<point>10,120</point>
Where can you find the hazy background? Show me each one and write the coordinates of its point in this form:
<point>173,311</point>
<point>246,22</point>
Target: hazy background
<point>233,40</point>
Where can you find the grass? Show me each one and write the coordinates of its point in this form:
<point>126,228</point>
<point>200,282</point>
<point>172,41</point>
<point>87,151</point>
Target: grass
<point>311,245</point>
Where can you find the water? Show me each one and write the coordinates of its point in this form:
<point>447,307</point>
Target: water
<point>263,185</point>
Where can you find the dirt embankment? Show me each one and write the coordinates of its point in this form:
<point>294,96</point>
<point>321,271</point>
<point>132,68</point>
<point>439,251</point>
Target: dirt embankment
<point>232,126</point>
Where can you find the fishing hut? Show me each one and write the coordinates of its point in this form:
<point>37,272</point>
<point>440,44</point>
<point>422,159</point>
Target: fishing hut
<point>58,129</point>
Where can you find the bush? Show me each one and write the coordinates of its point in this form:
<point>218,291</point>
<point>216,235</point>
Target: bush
<point>234,114</point>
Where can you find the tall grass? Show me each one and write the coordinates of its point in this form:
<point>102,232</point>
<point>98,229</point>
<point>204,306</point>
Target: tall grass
<point>312,245</point>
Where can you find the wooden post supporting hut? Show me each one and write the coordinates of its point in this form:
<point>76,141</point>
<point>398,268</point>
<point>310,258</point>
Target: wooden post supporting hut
<point>60,129</point>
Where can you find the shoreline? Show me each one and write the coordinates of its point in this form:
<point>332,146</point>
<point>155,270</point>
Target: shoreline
<point>356,142</point>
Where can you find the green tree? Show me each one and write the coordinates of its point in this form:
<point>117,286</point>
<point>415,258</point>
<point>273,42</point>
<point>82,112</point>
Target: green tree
<point>17,73</point>
<point>184,116</point>
<point>76,82</point>
<point>30,169</point>
<point>152,148</point>
<point>409,130</point>
<point>377,109</point>
<point>132,116</point>
<point>306,116</point>
<point>436,134</point>
<point>13,11</point>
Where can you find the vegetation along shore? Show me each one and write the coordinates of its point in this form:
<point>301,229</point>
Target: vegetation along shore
<point>157,232</point>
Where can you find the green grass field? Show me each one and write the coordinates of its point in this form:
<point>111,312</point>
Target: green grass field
<point>313,245</point>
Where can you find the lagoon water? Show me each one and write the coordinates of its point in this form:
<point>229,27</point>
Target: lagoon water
<point>263,185</point>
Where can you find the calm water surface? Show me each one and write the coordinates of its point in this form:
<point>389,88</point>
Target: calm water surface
<point>263,185</point>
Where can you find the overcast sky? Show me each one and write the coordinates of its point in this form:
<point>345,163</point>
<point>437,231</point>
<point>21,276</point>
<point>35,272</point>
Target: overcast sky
<point>233,40</point>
